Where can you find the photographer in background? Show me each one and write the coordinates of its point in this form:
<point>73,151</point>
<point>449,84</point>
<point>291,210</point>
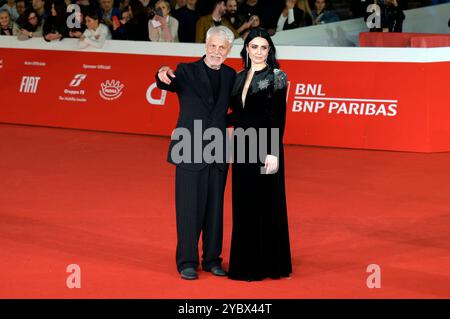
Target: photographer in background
<point>163,27</point>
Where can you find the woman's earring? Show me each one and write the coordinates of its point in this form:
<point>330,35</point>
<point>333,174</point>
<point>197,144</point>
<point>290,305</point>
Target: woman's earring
<point>246,62</point>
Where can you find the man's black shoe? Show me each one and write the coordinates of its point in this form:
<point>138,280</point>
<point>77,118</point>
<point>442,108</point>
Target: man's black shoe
<point>216,271</point>
<point>189,274</point>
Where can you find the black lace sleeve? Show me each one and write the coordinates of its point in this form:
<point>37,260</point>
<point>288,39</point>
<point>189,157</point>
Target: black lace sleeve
<point>277,108</point>
<point>279,100</point>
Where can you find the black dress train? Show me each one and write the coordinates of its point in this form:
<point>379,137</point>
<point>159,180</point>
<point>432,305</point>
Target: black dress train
<point>260,237</point>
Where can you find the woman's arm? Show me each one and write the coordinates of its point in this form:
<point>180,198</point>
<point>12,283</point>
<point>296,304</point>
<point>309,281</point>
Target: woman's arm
<point>278,121</point>
<point>15,29</point>
<point>279,101</point>
<point>86,41</point>
<point>173,25</point>
<point>38,32</point>
<point>81,41</point>
<point>277,105</point>
<point>153,33</point>
<point>100,39</point>
<point>167,35</point>
<point>281,21</point>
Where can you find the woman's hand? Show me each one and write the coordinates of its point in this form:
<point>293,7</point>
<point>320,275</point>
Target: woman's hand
<point>75,34</point>
<point>248,25</point>
<point>290,4</point>
<point>115,24</point>
<point>25,32</point>
<point>394,3</point>
<point>53,36</point>
<point>271,164</point>
<point>161,20</point>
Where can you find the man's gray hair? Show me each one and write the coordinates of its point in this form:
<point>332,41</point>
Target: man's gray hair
<point>222,31</point>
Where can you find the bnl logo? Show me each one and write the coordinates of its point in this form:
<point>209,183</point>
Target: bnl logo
<point>29,84</point>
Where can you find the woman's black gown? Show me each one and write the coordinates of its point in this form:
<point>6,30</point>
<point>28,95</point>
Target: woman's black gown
<point>260,237</point>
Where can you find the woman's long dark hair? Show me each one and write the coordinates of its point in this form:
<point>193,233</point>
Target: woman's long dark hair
<point>271,58</point>
<point>61,12</point>
<point>138,11</point>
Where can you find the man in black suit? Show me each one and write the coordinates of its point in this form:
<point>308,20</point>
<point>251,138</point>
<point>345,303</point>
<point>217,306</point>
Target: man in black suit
<point>203,88</point>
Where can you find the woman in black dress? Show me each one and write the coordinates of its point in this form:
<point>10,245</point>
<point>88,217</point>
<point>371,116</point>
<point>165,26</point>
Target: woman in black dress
<point>260,237</point>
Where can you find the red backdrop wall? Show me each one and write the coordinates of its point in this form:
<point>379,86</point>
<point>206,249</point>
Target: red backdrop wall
<point>373,105</point>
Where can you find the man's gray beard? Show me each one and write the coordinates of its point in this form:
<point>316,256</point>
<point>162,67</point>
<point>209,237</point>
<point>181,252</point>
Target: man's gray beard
<point>214,67</point>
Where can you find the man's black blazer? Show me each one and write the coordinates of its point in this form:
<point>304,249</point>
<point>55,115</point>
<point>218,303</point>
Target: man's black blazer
<point>195,95</point>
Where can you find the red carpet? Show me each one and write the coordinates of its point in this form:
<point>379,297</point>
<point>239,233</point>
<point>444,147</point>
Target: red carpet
<point>105,202</point>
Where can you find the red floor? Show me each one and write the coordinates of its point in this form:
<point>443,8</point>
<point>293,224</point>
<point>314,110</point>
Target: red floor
<point>105,202</point>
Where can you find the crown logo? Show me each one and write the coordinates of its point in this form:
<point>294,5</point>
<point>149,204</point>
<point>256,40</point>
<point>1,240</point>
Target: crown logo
<point>111,90</point>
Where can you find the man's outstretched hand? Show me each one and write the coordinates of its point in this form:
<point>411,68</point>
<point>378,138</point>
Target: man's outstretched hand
<point>164,73</point>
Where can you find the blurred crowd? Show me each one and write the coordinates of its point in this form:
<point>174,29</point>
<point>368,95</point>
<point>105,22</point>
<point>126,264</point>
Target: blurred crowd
<point>94,21</point>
